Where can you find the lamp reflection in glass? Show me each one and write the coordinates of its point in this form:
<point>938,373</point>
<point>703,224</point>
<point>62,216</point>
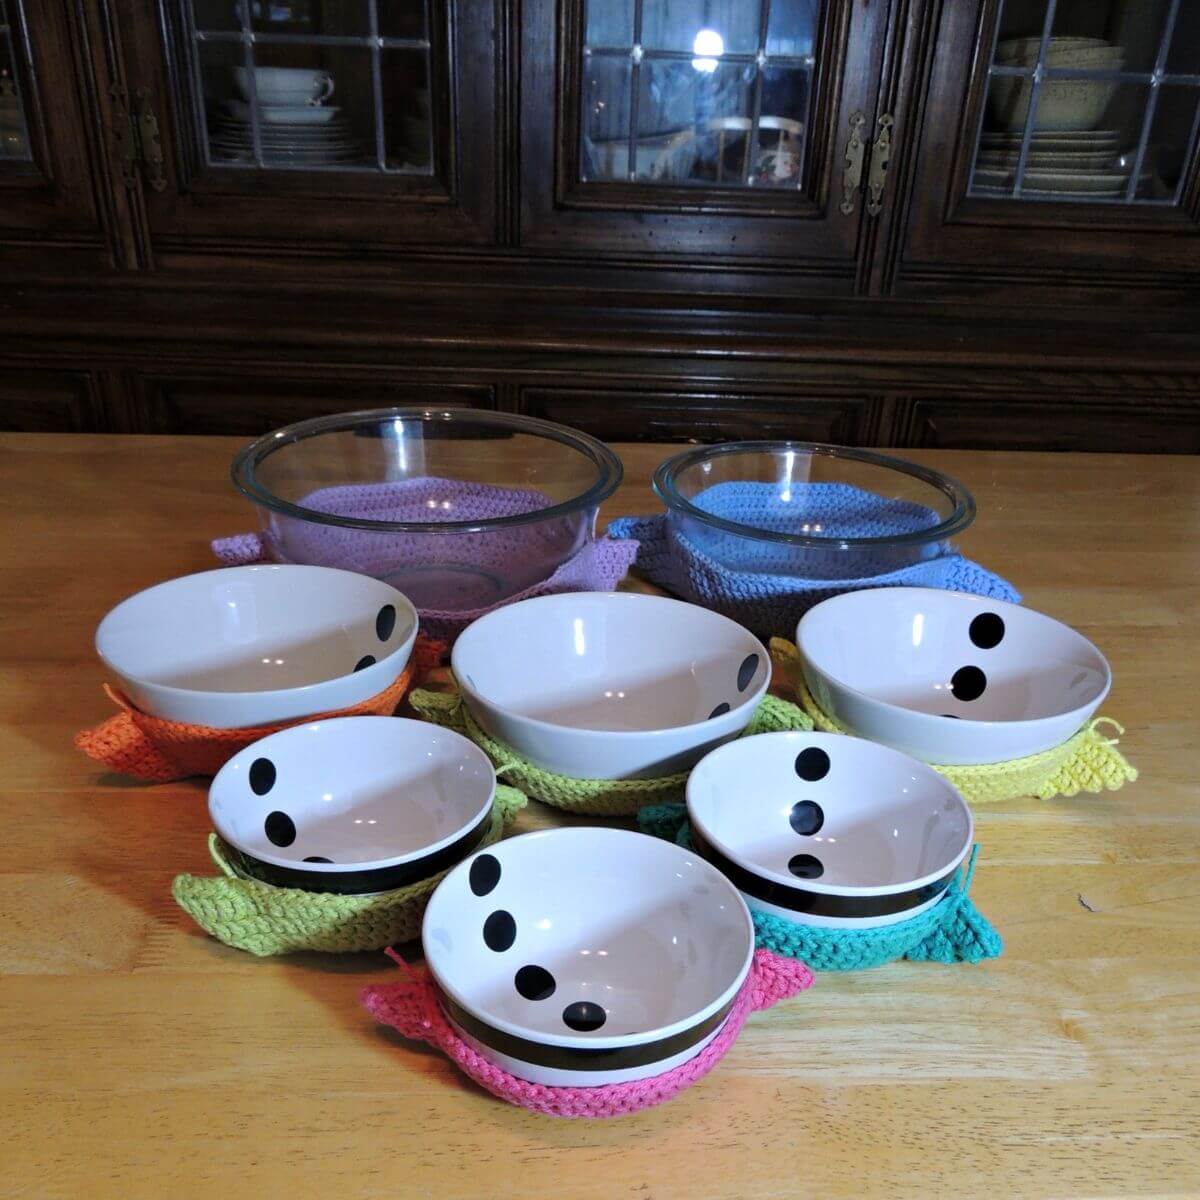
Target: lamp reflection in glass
<point>708,46</point>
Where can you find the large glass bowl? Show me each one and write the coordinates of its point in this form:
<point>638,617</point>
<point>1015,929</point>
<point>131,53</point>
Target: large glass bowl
<point>458,508</point>
<point>806,510</point>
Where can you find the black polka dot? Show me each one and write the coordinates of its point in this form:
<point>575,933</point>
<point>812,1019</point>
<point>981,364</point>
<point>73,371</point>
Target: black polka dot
<point>812,764</point>
<point>719,711</point>
<point>318,858</point>
<point>367,660</point>
<point>262,776</point>
<point>584,1016</point>
<point>806,817</point>
<point>535,983</point>
<point>385,622</point>
<point>987,630</point>
<point>485,874</point>
<point>968,683</point>
<point>499,931</point>
<point>805,866</point>
<point>280,828</point>
<point>951,716</point>
<point>746,671</point>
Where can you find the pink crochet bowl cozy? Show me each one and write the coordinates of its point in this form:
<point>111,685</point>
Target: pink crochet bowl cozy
<point>411,1007</point>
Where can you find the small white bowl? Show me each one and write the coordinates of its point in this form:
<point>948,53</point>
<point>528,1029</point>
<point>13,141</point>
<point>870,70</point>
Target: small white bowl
<point>828,830</point>
<point>585,956</point>
<point>610,685</point>
<point>254,645</point>
<point>353,804</point>
<point>950,678</point>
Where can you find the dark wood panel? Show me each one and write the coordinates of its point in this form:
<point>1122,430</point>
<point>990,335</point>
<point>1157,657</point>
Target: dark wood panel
<point>692,416</point>
<point>1147,426</point>
<point>46,402</point>
<point>157,404</point>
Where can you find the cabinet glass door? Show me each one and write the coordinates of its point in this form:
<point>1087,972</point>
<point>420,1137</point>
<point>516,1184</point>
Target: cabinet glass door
<point>699,126</point>
<point>328,120</point>
<point>14,134</point>
<point>1059,150</point>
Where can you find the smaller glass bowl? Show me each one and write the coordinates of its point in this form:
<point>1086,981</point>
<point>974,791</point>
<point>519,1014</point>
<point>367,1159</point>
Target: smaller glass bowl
<point>807,510</point>
<point>457,508</point>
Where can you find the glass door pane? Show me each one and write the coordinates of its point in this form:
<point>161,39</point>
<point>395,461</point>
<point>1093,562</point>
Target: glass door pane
<point>714,93</point>
<point>14,134</point>
<point>1090,102</point>
<point>314,85</point>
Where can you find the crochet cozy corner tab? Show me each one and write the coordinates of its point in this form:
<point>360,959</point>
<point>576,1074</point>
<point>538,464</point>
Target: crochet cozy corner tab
<point>411,1007</point>
<point>1087,762</point>
<point>266,920</point>
<point>587,797</point>
<point>952,931</point>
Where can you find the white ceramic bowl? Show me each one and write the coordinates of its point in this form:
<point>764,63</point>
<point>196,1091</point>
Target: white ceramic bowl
<point>578,957</point>
<point>1073,104</point>
<point>353,804</point>
<point>254,645</point>
<point>610,685</point>
<point>828,830</point>
<point>950,678</point>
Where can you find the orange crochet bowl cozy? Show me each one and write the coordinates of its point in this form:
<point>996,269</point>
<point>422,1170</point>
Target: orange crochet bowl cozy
<point>151,749</point>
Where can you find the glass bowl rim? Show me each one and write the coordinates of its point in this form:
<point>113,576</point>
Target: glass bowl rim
<point>608,466</point>
<point>956,522</point>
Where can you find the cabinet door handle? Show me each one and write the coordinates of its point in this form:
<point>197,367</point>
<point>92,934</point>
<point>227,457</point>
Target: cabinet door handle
<point>881,152</point>
<point>852,175</point>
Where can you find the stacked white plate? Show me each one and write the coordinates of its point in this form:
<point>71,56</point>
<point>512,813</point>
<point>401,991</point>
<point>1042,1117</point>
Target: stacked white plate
<point>290,135</point>
<point>1081,163</point>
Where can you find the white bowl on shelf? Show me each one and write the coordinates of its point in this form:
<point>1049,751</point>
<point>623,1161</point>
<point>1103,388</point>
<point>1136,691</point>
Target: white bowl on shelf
<point>950,678</point>
<point>610,685</point>
<point>254,645</point>
<point>353,805</point>
<point>587,956</point>
<point>1063,104</point>
<point>826,830</point>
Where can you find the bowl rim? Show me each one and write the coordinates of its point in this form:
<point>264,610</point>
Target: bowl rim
<point>383,726</point>
<point>857,746</point>
<point>962,516</point>
<point>400,600</point>
<point>603,1041</point>
<point>963,722</point>
<point>469,689</point>
<point>608,466</point>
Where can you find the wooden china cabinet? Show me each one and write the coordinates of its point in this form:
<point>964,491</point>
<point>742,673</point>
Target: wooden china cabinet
<point>961,223</point>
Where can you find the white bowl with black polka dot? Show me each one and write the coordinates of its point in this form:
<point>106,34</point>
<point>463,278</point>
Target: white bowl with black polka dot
<point>610,685</point>
<point>586,956</point>
<point>950,678</point>
<point>353,805</point>
<point>255,645</point>
<point>828,830</point>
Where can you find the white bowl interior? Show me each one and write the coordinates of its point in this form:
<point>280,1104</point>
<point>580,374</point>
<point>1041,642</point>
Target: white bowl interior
<point>829,813</point>
<point>611,661</point>
<point>355,792</point>
<point>592,924</point>
<point>951,654</point>
<point>256,629</point>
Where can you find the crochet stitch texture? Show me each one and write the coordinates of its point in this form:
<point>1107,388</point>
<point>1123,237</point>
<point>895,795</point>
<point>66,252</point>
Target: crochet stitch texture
<point>267,920</point>
<point>155,750</point>
<point>1086,762</point>
<point>412,1008</point>
<point>589,797</point>
<point>952,931</point>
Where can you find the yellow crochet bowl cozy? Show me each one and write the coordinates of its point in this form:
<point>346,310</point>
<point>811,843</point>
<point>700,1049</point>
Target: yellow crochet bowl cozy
<point>1087,762</point>
<point>267,920</point>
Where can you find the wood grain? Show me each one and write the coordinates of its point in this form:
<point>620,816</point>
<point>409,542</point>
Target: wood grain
<point>144,1060</point>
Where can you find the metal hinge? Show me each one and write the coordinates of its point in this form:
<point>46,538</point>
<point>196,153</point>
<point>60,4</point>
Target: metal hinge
<point>856,150</point>
<point>136,135</point>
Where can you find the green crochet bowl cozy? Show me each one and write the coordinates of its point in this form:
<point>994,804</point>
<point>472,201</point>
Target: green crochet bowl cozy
<point>587,797</point>
<point>267,920</point>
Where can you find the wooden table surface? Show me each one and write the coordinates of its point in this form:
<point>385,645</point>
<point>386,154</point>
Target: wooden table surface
<point>142,1059</point>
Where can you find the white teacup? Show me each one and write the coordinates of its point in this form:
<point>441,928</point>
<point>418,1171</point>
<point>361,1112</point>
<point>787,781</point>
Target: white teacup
<point>293,86</point>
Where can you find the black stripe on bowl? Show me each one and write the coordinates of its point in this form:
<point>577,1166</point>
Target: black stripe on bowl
<point>583,1058</point>
<point>356,883</point>
<point>817,904</point>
